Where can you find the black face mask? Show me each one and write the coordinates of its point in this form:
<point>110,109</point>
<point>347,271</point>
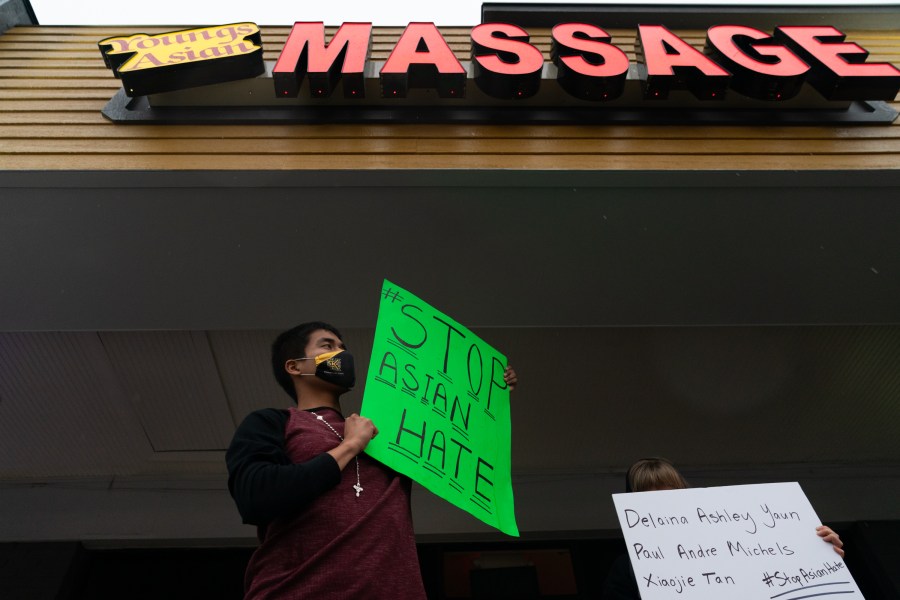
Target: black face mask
<point>335,367</point>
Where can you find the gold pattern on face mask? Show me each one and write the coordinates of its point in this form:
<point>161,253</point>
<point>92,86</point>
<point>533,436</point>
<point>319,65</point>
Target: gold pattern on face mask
<point>334,364</point>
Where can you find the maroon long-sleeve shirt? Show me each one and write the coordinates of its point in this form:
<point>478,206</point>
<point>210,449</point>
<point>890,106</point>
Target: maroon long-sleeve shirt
<point>318,540</point>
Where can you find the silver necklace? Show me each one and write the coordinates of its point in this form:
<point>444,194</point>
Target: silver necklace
<point>357,487</point>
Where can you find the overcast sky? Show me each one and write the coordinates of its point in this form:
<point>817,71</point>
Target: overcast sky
<point>280,12</point>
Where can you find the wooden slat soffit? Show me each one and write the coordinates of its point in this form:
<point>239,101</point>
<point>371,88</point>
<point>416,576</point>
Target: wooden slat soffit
<point>54,85</point>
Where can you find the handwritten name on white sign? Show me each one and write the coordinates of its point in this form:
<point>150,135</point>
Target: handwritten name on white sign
<point>754,542</point>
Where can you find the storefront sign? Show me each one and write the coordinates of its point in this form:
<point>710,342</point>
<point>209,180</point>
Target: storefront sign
<point>151,64</point>
<point>435,390</point>
<point>506,65</point>
<point>746,541</point>
<point>740,68</point>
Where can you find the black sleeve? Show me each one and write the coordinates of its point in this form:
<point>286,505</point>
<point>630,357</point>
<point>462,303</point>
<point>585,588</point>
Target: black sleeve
<point>262,480</point>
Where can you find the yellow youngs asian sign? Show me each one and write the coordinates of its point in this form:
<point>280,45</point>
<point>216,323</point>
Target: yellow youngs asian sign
<point>151,64</point>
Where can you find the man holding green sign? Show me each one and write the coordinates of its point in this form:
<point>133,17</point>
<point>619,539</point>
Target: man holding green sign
<point>332,521</point>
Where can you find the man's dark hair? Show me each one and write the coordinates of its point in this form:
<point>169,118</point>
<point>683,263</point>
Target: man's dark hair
<point>292,344</point>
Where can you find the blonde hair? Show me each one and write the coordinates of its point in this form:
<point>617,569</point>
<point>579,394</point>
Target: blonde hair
<point>654,474</point>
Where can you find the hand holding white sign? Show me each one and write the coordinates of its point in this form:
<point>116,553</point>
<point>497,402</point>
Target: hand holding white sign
<point>749,542</point>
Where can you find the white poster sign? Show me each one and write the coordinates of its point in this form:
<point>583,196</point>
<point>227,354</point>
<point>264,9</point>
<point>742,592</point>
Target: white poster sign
<point>753,542</point>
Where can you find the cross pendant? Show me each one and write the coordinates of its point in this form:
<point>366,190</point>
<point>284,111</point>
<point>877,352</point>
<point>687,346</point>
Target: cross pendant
<point>358,489</point>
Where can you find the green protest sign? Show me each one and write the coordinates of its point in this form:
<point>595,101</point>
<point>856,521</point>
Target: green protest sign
<point>435,390</point>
